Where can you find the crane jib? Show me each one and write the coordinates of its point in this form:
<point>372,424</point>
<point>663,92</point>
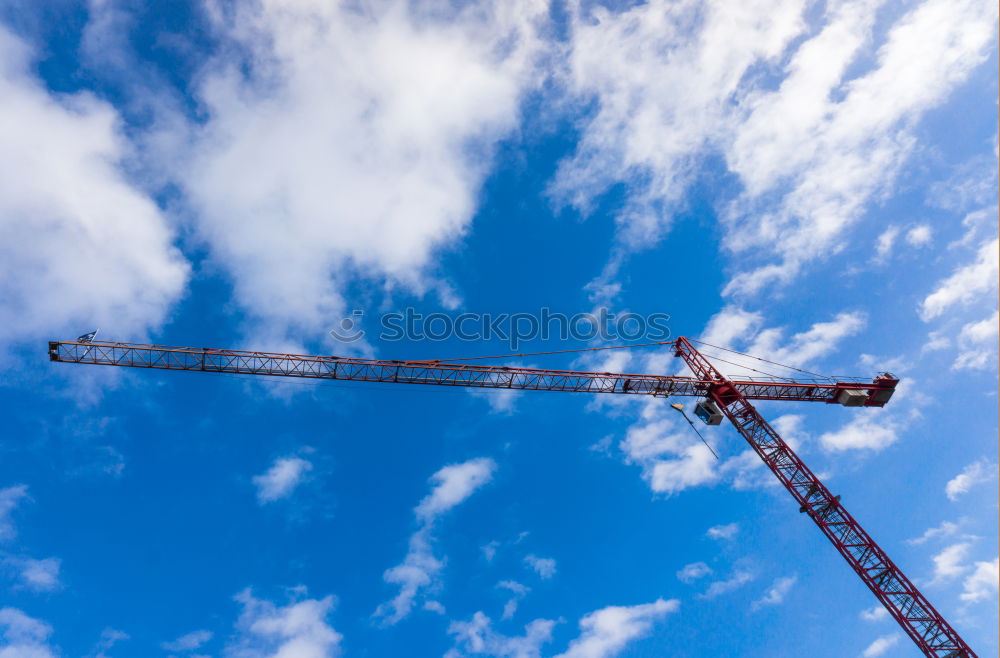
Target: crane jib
<point>852,393</point>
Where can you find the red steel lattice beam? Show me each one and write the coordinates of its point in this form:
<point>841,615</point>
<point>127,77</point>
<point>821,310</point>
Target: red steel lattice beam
<point>447,374</point>
<point>914,613</point>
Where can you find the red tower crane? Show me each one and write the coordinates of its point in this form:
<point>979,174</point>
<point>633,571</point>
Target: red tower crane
<point>722,396</point>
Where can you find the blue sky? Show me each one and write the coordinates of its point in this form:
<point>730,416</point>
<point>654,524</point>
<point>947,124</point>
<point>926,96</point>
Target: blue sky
<point>814,183</point>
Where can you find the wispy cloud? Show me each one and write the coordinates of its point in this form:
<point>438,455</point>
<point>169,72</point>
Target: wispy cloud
<point>919,236</point>
<point>671,459</point>
<point>9,499</point>
<point>875,613</point>
<point>24,635</point>
<point>736,328</point>
<point>109,638</point>
<point>881,645</point>
<point>663,77</point>
<point>188,642</point>
<point>420,568</point>
<point>967,283</point>
<point>854,145</point>
<point>607,631</point>
<point>545,567</point>
<point>946,529</point>
<point>739,578</point>
<point>866,431</point>
<point>727,531</point>
<point>810,154</point>
<point>978,472</point>
<point>478,637</point>
<point>978,344</point>
<point>981,584</point>
<point>950,562</point>
<point>38,575</point>
<point>776,593</point>
<point>518,592</point>
<point>297,628</point>
<point>603,633</point>
<point>694,571</point>
<point>281,479</point>
<point>885,242</point>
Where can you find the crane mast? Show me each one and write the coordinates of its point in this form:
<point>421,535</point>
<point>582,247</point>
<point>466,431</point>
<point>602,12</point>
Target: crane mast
<point>923,624</point>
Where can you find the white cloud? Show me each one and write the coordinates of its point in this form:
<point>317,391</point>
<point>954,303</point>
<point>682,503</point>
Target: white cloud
<point>545,567</point>
<point>109,638</point>
<point>518,592</point>
<point>966,284</point>
<point>884,243</point>
<point>607,631</point>
<point>975,473</point>
<point>692,572</point>
<point>514,586</point>
<point>978,344</point>
<point>971,185</point>
<point>356,139</point>
<point>936,341</point>
<point>453,484</point>
<point>502,401</point>
<point>875,613</point>
<point>81,246</point>
<point>881,645</point>
<point>982,331</point>
<point>731,326</point>
<point>420,569</point>
<point>735,328</point>
<point>39,575</point>
<point>919,236</point>
<point>490,550</point>
<point>664,76</point>
<point>477,637</point>
<point>776,593</point>
<point>981,584</point>
<point>805,347</point>
<point>864,432</point>
<point>747,470</point>
<point>727,531</point>
<point>9,499</point>
<point>836,155</point>
<point>281,479</point>
<point>603,633</point>
<point>24,636</point>
<point>693,467</point>
<point>670,456</point>
<point>434,606</point>
<point>946,529</point>
<point>296,630</point>
<point>739,578</point>
<point>949,563</point>
<point>189,641</point>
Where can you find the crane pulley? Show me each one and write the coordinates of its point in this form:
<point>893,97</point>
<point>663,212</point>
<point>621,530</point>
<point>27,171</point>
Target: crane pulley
<point>721,396</point>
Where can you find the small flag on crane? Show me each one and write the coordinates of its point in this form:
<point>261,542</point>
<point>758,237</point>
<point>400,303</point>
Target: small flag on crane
<point>88,338</point>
